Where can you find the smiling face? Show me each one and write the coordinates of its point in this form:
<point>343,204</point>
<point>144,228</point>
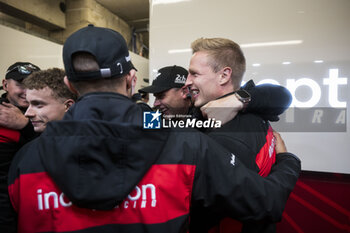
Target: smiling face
<point>171,102</point>
<point>43,108</point>
<point>203,81</point>
<point>16,93</point>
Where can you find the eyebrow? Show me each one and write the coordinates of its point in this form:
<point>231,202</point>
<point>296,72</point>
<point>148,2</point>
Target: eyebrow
<point>37,102</point>
<point>192,71</point>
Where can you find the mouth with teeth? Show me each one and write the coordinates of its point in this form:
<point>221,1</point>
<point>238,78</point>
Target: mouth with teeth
<point>194,92</point>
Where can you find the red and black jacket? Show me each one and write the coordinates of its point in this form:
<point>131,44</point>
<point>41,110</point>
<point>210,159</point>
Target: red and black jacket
<point>249,138</point>
<point>10,142</point>
<point>99,171</point>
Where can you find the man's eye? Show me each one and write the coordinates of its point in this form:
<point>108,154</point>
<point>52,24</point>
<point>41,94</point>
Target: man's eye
<point>37,105</point>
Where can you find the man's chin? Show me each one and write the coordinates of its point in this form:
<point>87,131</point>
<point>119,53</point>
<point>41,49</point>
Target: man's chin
<point>198,104</point>
<point>39,129</point>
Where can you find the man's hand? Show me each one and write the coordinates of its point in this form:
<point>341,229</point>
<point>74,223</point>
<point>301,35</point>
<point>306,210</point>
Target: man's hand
<point>223,109</point>
<point>11,117</point>
<point>280,146</point>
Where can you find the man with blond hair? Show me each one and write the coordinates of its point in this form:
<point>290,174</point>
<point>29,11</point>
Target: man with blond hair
<point>216,69</point>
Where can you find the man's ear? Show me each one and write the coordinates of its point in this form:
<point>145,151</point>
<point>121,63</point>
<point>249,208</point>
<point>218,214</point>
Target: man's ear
<point>225,76</point>
<point>130,79</point>
<point>70,86</point>
<point>4,84</point>
<point>68,103</point>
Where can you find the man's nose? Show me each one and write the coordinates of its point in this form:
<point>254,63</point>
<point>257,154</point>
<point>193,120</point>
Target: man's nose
<point>29,113</point>
<point>188,81</point>
<point>157,102</point>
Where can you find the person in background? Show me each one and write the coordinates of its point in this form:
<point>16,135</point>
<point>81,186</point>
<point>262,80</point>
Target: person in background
<point>98,170</point>
<point>167,88</point>
<point>15,129</point>
<point>48,97</point>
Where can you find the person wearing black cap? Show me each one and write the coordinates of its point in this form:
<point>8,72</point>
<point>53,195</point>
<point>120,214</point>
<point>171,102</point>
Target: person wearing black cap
<point>13,101</point>
<point>169,92</point>
<point>98,170</point>
<point>15,128</point>
<point>15,93</point>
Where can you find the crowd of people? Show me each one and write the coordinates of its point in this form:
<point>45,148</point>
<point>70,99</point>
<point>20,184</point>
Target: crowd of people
<point>76,158</point>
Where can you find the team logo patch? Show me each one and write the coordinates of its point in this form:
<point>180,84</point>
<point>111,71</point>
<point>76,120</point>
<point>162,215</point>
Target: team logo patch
<point>181,79</point>
<point>152,120</point>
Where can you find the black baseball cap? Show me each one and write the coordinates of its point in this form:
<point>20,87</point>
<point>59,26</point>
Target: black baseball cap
<point>106,45</point>
<point>167,77</point>
<point>20,70</point>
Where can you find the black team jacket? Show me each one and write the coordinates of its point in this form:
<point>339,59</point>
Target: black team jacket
<point>97,170</point>
<point>10,142</point>
<point>248,136</point>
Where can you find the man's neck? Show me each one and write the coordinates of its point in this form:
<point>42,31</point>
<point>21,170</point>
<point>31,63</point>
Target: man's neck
<point>114,90</point>
<point>224,90</point>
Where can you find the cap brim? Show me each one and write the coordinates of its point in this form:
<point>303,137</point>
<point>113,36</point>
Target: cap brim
<point>153,89</point>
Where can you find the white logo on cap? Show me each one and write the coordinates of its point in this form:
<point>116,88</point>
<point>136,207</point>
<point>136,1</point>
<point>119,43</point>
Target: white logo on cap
<point>233,159</point>
<point>121,67</point>
<point>180,79</point>
<point>127,58</point>
<point>157,75</point>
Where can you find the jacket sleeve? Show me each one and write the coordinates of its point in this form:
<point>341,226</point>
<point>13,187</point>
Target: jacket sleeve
<point>8,147</point>
<point>223,185</point>
<point>8,217</point>
<point>268,100</point>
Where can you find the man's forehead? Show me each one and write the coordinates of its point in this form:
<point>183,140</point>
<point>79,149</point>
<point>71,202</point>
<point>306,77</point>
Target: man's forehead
<point>199,59</point>
<point>13,81</point>
<point>168,92</point>
<point>40,93</point>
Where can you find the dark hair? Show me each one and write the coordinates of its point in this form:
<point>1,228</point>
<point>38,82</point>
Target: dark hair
<point>85,62</point>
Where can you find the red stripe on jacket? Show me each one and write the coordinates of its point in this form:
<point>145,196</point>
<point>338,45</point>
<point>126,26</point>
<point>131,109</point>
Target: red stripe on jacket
<point>163,194</point>
<point>9,135</point>
<point>267,154</point>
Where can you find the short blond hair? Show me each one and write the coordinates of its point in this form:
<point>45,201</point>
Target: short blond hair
<point>223,53</point>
